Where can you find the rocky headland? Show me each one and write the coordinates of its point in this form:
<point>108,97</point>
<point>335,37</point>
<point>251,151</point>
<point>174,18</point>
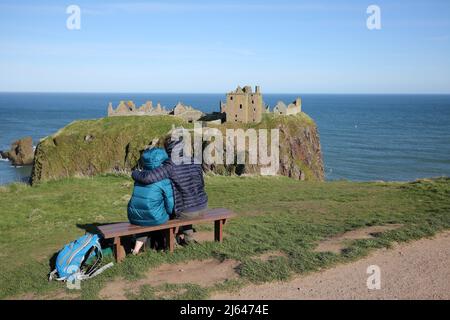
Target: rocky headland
<point>114,144</point>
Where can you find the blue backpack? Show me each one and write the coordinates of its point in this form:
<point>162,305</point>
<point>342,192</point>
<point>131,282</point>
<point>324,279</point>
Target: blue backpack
<point>71,262</point>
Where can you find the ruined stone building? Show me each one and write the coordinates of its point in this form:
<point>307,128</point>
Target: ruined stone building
<point>293,108</point>
<point>243,105</point>
<point>129,109</point>
<point>187,113</point>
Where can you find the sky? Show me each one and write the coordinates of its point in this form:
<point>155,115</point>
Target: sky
<point>212,46</point>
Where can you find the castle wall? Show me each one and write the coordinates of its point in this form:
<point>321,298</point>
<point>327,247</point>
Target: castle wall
<point>129,109</point>
<point>293,108</point>
<point>243,106</point>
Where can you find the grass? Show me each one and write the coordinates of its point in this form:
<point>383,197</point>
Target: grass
<point>90,147</point>
<point>275,214</point>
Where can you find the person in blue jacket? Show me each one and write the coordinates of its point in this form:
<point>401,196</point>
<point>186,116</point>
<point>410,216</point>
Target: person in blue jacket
<point>151,204</point>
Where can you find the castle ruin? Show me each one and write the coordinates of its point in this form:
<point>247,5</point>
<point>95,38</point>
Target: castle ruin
<point>188,113</point>
<point>128,108</point>
<point>243,105</point>
<point>293,108</point>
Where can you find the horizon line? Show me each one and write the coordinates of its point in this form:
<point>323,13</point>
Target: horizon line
<point>217,93</point>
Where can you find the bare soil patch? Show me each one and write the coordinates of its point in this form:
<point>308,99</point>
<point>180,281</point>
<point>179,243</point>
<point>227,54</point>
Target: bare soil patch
<point>204,273</point>
<point>57,295</point>
<point>338,243</point>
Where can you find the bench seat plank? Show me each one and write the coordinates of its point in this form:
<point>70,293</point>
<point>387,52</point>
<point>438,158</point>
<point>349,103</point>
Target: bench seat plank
<point>125,228</point>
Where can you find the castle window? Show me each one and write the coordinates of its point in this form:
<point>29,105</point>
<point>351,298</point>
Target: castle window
<point>253,102</point>
<point>231,98</point>
<point>240,106</point>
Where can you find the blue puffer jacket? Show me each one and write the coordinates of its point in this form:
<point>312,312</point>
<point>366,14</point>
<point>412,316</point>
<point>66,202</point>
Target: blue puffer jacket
<point>151,204</point>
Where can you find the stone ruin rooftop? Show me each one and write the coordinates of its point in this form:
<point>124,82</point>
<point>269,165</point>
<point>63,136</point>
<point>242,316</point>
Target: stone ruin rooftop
<point>242,105</point>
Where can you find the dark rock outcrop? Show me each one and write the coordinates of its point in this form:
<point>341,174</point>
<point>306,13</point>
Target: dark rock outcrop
<point>21,153</point>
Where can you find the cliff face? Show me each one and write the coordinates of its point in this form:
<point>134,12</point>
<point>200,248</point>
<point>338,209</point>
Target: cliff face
<point>300,152</point>
<point>114,144</point>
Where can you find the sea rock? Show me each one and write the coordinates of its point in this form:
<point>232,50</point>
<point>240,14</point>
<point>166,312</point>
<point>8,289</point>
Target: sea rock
<point>21,153</point>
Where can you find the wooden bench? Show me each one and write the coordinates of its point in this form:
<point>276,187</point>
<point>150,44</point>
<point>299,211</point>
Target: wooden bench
<point>117,230</point>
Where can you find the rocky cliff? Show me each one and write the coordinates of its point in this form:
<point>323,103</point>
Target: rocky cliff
<point>300,151</point>
<point>114,144</point>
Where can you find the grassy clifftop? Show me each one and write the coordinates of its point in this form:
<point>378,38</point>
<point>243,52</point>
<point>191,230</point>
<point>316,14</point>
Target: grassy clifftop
<point>90,147</point>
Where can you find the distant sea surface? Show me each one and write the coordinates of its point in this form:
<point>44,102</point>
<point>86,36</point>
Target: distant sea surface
<point>364,137</point>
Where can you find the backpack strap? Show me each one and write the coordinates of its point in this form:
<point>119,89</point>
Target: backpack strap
<point>95,272</point>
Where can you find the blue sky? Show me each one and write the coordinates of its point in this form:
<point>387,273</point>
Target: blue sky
<point>212,46</point>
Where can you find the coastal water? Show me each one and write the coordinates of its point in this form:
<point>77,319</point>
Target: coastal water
<point>364,137</point>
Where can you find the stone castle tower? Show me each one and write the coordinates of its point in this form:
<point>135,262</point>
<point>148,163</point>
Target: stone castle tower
<point>243,105</point>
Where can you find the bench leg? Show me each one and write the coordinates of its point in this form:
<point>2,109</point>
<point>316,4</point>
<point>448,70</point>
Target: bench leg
<point>170,238</point>
<point>218,230</point>
<point>119,250</point>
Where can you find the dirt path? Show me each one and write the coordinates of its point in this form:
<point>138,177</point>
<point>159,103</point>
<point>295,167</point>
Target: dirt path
<point>418,270</point>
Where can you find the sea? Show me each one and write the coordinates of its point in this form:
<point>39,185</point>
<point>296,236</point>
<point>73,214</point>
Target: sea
<point>363,137</point>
